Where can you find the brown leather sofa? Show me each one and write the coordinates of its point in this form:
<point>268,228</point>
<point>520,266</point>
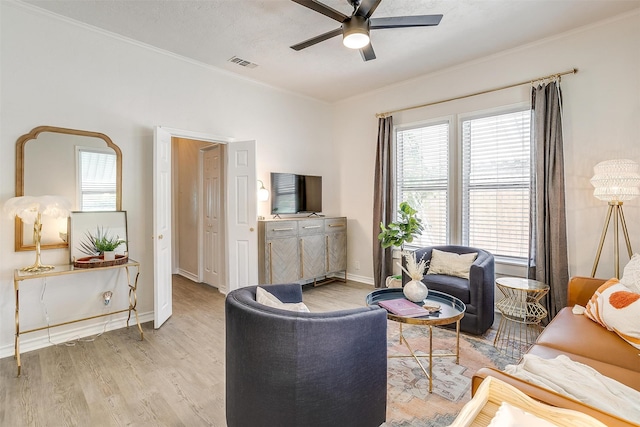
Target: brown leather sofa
<point>584,341</point>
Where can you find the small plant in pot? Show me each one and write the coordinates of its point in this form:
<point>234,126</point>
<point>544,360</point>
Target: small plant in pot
<point>401,231</point>
<point>101,243</point>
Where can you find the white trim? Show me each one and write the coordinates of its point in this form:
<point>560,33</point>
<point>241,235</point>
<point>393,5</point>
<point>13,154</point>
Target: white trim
<point>116,322</point>
<point>360,279</point>
<point>146,46</point>
<point>189,275</point>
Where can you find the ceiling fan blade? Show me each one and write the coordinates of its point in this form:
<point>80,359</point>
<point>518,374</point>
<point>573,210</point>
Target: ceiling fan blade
<point>367,53</point>
<point>367,7</point>
<point>405,21</point>
<point>321,8</point>
<point>317,39</point>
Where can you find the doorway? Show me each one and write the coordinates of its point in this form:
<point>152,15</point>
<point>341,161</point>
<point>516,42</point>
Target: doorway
<point>198,210</point>
<point>239,260</point>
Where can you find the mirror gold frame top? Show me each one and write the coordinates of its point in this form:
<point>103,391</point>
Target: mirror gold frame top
<point>20,244</point>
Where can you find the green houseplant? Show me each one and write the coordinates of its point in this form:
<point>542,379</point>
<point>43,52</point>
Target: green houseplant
<point>403,230</point>
<point>100,242</point>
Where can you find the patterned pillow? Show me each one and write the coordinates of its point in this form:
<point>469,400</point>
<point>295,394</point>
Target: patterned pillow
<point>617,308</point>
<point>631,274</point>
<point>451,264</point>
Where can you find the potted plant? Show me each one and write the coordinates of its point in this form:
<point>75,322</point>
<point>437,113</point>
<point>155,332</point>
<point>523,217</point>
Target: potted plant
<point>401,231</point>
<point>101,244</point>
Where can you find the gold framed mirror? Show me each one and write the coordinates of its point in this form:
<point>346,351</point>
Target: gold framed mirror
<point>49,160</point>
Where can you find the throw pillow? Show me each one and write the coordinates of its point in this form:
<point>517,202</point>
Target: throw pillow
<point>617,308</point>
<point>508,415</point>
<point>451,264</point>
<point>267,298</point>
<point>631,274</point>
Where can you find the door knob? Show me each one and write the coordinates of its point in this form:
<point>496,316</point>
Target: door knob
<point>160,237</point>
<point>251,229</point>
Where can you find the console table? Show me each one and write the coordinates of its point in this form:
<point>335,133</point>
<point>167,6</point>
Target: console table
<point>63,270</point>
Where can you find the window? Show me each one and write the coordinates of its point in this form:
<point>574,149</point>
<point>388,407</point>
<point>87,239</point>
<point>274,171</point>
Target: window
<point>96,179</point>
<point>495,183</point>
<point>473,192</point>
<point>422,171</point>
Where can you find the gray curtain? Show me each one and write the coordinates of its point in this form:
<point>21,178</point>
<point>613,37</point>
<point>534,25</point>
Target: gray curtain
<point>382,201</point>
<point>548,232</point>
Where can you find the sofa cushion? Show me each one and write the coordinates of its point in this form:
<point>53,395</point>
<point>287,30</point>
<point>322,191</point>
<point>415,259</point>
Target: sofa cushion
<point>631,274</point>
<point>266,298</point>
<point>629,377</point>
<point>451,264</point>
<point>576,334</point>
<point>455,286</point>
<point>616,308</point>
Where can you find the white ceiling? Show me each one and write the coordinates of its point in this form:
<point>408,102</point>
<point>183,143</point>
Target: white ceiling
<point>213,31</point>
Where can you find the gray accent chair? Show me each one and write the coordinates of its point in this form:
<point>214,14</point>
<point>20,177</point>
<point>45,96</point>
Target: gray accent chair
<point>477,292</point>
<point>286,368</point>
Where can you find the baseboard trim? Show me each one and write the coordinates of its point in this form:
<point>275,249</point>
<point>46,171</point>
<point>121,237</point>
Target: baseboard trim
<point>189,275</point>
<point>62,335</point>
<point>361,279</point>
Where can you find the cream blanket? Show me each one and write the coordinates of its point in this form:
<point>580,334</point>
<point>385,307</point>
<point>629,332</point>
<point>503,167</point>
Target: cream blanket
<point>580,382</point>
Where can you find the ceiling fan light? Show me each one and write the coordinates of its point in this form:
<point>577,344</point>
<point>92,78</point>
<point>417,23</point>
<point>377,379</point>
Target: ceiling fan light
<point>355,32</point>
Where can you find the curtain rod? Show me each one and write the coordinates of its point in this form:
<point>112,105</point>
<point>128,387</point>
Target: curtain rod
<point>388,113</point>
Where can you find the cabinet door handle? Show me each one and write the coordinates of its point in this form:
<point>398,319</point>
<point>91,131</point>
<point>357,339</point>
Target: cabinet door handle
<point>336,225</point>
<point>326,251</point>
<point>311,226</point>
<point>283,229</point>
<point>301,258</point>
<point>270,264</point>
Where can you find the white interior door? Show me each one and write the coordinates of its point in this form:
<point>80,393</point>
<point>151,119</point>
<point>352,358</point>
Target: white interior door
<point>162,295</point>
<point>241,218</point>
<point>212,216</point>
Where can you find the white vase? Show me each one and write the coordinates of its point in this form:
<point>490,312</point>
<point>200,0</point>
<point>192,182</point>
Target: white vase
<point>415,291</point>
<point>109,255</point>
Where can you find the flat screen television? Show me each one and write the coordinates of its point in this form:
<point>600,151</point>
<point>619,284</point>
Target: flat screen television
<point>292,193</point>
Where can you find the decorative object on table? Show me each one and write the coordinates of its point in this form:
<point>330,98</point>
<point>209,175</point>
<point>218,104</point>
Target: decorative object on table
<point>93,233</point>
<point>403,307</point>
<point>415,290</point>
<point>615,181</point>
<point>101,243</point>
<point>30,210</point>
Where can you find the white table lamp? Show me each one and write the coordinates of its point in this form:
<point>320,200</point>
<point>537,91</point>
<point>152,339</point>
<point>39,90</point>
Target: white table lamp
<point>30,209</point>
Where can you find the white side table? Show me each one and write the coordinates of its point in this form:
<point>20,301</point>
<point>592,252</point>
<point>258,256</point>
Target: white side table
<point>521,314</point>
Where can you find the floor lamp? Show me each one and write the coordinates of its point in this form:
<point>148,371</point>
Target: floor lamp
<point>615,181</point>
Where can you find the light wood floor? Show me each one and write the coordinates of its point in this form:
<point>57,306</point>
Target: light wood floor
<point>175,377</point>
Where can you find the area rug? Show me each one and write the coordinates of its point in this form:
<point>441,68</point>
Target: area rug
<point>408,401</point>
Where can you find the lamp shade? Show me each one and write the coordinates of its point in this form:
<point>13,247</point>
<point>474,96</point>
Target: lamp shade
<point>263,193</point>
<point>616,180</point>
<point>27,208</point>
<point>355,32</point>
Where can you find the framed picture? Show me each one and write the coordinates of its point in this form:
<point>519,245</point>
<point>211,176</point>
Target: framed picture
<point>85,225</point>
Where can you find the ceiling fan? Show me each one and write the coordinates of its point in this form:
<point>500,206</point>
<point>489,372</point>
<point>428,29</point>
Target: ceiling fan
<point>355,28</point>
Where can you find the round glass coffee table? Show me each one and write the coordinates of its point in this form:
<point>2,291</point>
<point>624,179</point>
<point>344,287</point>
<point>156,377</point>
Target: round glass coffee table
<point>451,310</point>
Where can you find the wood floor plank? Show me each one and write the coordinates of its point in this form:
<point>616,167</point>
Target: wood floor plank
<point>174,377</point>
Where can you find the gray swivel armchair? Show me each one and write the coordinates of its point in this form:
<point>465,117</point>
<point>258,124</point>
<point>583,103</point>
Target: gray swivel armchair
<point>477,292</point>
<point>289,369</point>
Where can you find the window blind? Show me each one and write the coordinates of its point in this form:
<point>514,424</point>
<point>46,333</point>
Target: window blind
<point>495,183</point>
<point>422,170</point>
<point>97,180</point>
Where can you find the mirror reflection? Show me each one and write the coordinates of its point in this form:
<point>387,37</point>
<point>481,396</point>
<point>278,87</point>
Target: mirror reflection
<point>82,166</point>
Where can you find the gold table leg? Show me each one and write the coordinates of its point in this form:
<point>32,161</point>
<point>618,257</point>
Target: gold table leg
<point>416,357</point>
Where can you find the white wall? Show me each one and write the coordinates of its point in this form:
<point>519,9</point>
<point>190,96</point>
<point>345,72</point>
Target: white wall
<point>601,122</point>
<point>57,73</point>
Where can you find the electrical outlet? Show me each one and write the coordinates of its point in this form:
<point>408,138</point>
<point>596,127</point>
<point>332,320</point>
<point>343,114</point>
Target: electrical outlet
<point>356,265</point>
<point>107,297</point>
